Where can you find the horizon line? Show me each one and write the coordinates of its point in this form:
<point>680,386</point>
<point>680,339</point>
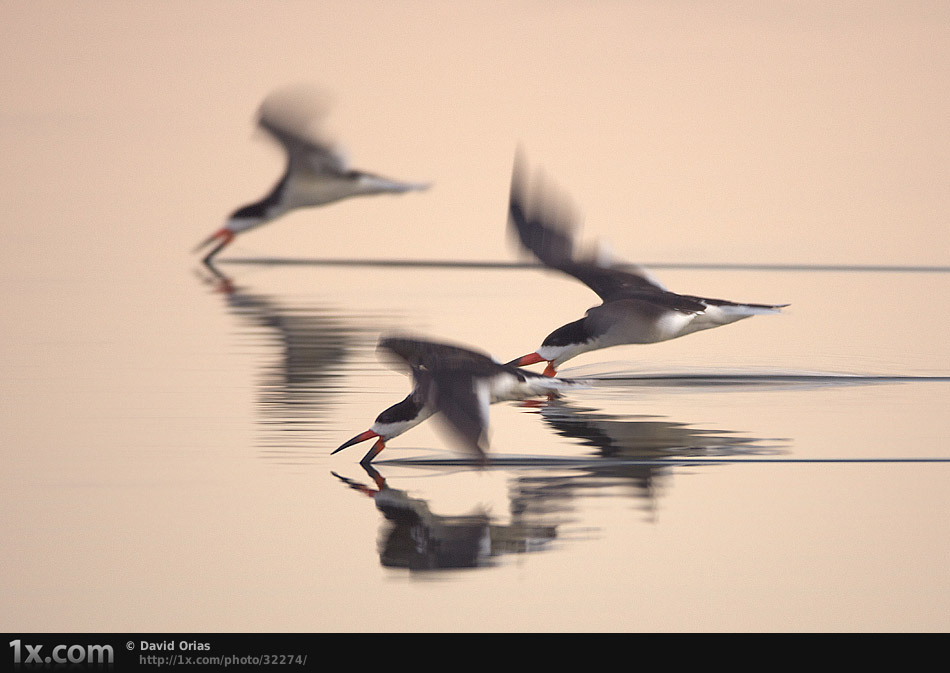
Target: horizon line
<point>480,264</point>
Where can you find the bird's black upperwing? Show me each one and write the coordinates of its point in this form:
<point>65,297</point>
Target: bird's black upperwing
<point>291,117</point>
<point>544,223</point>
<point>434,356</point>
<point>454,395</point>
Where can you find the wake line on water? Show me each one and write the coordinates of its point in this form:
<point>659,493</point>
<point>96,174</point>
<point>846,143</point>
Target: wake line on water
<point>475,264</point>
<point>600,463</point>
<point>752,379</point>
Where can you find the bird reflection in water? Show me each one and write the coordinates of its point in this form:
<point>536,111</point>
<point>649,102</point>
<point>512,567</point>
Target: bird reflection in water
<point>615,436</point>
<point>635,453</point>
<point>312,346</point>
<point>634,458</point>
<point>416,538</point>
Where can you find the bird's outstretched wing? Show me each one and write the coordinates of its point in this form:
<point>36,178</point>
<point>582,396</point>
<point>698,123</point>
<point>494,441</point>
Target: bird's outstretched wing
<point>451,380</point>
<point>463,404</point>
<point>434,356</point>
<point>293,117</point>
<point>544,223</point>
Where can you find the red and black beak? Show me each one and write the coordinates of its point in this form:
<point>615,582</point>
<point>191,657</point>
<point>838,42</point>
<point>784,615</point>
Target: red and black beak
<point>224,236</point>
<point>533,358</point>
<point>362,437</point>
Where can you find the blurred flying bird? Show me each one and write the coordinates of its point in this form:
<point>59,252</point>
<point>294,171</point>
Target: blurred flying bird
<point>456,382</point>
<point>635,308</point>
<point>316,174</point>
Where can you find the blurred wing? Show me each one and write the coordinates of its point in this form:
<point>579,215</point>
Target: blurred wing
<point>610,283</point>
<point>544,223</point>
<point>464,407</point>
<point>292,117</point>
<point>433,356</point>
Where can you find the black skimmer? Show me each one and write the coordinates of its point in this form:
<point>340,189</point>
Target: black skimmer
<point>635,308</point>
<point>456,382</point>
<point>316,174</point>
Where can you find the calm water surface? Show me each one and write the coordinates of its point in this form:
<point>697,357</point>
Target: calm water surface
<point>166,435</point>
<point>172,468</point>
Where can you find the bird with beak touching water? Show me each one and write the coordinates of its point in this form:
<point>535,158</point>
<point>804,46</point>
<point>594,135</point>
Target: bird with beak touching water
<point>635,308</point>
<point>456,383</point>
<point>316,171</point>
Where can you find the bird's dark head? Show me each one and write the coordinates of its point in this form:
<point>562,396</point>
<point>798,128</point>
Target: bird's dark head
<point>559,346</point>
<point>568,335</point>
<point>252,211</point>
<point>408,410</point>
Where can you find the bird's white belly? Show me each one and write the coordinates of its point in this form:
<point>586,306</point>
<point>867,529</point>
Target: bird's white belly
<point>669,325</point>
<point>506,388</point>
<point>303,193</point>
<point>673,324</point>
<point>503,388</point>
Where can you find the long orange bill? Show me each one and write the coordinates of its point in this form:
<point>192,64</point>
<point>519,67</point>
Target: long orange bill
<point>533,358</point>
<point>362,437</point>
<point>529,359</point>
<point>224,235</point>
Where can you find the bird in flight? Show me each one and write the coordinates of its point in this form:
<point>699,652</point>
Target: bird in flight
<point>316,171</point>
<point>635,308</point>
<point>457,383</point>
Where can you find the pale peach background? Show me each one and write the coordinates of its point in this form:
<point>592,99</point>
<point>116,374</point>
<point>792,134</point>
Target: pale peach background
<point>689,132</point>
<point>795,132</point>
